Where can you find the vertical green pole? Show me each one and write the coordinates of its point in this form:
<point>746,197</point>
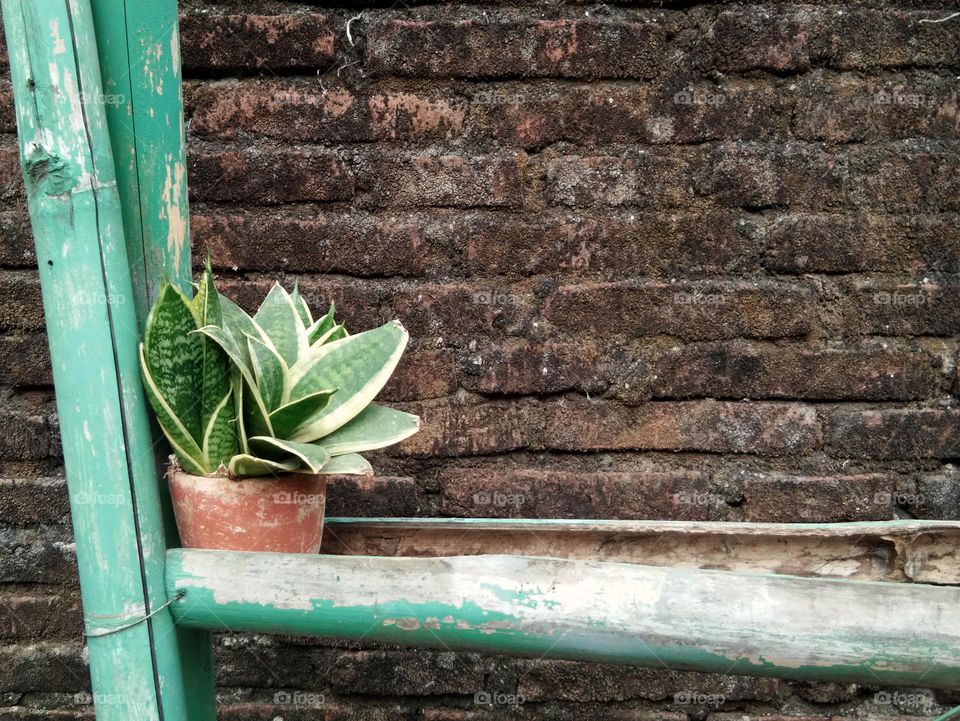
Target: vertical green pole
<point>92,325</point>
<point>138,43</point>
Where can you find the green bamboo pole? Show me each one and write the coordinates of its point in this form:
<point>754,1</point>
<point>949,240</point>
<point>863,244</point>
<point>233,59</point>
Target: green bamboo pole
<point>139,49</point>
<point>92,327</point>
<point>690,619</point>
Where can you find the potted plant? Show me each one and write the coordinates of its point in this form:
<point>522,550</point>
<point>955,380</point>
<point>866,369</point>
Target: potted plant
<point>260,410</point>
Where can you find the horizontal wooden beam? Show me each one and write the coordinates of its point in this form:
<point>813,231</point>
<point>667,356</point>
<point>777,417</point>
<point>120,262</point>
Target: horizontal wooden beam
<point>713,621</point>
<point>907,550</point>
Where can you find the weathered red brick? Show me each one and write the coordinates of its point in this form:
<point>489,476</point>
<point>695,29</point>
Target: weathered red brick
<point>354,243</point>
<point>11,176</point>
<point>937,495</point>
<point>549,679</point>
<point>759,175</point>
<point>267,177</point>
<point>428,310</point>
<point>25,359</point>
<point>595,114</point>
<point>841,108</point>
<point>611,243</point>
<point>737,369</point>
<point>906,176</point>
<point>781,498</point>
<point>47,666</point>
<point>8,118</point>
<point>16,239</point>
<point>514,44</point>
<point>763,428</point>
<point>895,433</point>
<point>417,180</point>
<point>212,41</point>
<point>703,311</point>
<point>538,493</point>
<point>371,497</point>
<point>302,110</point>
<point>452,428</point>
<point>37,555</point>
<point>419,672</point>
<point>887,306</point>
<point>31,501</point>
<point>848,242</point>
<point>26,431</point>
<point>796,38</point>
<point>422,374</point>
<point>524,367</point>
<point>644,178</point>
<point>26,616</point>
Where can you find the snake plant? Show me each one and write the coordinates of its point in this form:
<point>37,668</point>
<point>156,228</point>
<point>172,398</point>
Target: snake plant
<point>278,392</point>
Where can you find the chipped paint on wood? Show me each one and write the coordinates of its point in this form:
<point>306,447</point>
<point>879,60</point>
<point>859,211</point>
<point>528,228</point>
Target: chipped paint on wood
<point>75,212</point>
<point>76,217</point>
<point>713,621</point>
<point>172,212</point>
<point>146,132</point>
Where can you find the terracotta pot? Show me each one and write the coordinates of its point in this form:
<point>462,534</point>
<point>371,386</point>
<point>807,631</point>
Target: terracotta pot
<point>283,514</point>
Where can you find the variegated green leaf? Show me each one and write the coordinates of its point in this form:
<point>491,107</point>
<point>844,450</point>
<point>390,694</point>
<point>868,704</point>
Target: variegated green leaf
<point>270,372</point>
<point>280,321</point>
<point>245,465</point>
<point>188,452</point>
<point>257,417</point>
<point>338,332</point>
<point>311,456</point>
<point>375,427</point>
<point>321,326</point>
<point>240,325</point>
<point>287,418</point>
<point>301,305</point>
<point>238,384</point>
<point>219,436</point>
<point>358,366</point>
<point>175,358</point>
<point>348,464</point>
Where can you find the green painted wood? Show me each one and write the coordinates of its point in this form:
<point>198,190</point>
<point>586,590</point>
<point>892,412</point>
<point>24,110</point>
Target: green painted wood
<point>139,50</point>
<point>92,327</point>
<point>712,621</point>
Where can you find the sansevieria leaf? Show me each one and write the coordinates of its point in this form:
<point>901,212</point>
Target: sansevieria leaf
<point>311,456</point>
<point>219,434</point>
<point>375,427</point>
<point>350,463</point>
<point>270,372</point>
<point>188,452</point>
<point>282,324</point>
<point>275,393</point>
<point>244,464</point>
<point>358,366</point>
<point>321,326</point>
<point>174,358</point>
<point>287,418</point>
<point>251,393</point>
<point>240,325</point>
<point>301,305</point>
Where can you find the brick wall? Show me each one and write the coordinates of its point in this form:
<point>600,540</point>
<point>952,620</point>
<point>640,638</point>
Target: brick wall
<point>646,252</point>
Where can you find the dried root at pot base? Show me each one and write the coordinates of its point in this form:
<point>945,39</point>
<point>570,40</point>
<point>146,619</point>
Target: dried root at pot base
<point>276,393</point>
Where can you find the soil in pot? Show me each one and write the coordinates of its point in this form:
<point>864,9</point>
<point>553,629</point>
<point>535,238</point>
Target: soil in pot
<point>282,514</point>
